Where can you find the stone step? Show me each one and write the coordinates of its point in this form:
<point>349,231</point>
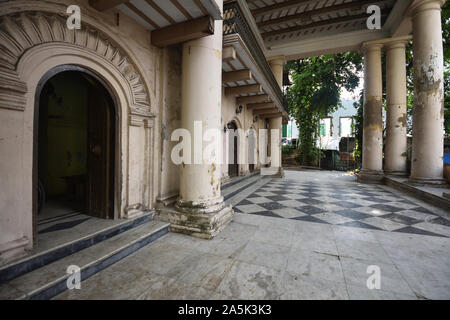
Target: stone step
<point>241,185</point>
<point>34,261</point>
<point>432,195</point>
<point>51,279</point>
<point>236,180</point>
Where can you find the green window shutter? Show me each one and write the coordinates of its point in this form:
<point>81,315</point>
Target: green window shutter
<point>323,130</point>
<point>284,130</point>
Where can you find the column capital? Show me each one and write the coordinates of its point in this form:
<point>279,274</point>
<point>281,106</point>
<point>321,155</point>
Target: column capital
<point>419,6</point>
<point>277,60</point>
<point>388,43</point>
<point>397,44</point>
<point>371,46</point>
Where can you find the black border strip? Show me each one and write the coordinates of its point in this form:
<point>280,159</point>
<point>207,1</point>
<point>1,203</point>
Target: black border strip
<point>39,261</point>
<point>232,194</point>
<point>88,272</point>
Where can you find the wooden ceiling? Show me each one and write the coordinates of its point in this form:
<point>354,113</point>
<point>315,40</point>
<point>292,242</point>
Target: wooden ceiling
<point>243,79</point>
<point>283,21</point>
<point>170,21</point>
<point>157,14</point>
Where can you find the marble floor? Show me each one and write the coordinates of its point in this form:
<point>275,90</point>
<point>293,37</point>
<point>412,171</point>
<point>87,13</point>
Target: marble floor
<point>276,256</point>
<point>322,197</point>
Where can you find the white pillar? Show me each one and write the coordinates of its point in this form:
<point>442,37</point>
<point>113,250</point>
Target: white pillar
<point>276,124</point>
<point>200,210</point>
<point>372,153</point>
<point>428,120</point>
<point>396,115</point>
<point>277,66</point>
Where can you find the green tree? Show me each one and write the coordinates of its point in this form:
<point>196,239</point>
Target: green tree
<point>446,43</point>
<point>315,93</point>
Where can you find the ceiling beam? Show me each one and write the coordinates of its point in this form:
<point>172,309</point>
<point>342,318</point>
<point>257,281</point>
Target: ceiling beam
<point>251,88</point>
<point>320,24</point>
<point>228,54</point>
<point>239,75</point>
<point>278,6</point>
<point>102,5</point>
<point>182,32</point>
<point>253,99</point>
<point>306,16</point>
<point>263,105</point>
<point>264,111</point>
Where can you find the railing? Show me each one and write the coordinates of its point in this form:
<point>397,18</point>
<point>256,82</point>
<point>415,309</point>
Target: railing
<point>234,23</point>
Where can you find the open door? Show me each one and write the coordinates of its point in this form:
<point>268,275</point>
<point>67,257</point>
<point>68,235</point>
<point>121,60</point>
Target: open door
<point>100,155</point>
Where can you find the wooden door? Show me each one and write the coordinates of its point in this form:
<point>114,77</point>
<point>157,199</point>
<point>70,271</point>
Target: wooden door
<point>100,172</point>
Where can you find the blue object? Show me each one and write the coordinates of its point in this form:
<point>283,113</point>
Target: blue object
<point>446,157</point>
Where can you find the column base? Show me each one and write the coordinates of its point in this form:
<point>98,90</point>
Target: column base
<point>395,173</point>
<point>166,200</point>
<point>428,182</point>
<point>202,220</point>
<point>272,172</point>
<point>370,176</point>
<point>13,250</point>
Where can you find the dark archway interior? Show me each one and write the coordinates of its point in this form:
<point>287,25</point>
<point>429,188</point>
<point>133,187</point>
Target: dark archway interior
<point>233,166</point>
<point>75,147</point>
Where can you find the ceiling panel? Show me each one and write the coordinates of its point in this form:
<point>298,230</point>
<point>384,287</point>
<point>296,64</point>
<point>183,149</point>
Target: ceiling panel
<point>157,14</point>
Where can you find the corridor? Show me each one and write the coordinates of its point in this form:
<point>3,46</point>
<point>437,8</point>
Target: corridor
<point>311,235</point>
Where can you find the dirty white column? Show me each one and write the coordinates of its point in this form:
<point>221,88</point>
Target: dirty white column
<point>372,153</point>
<point>276,125</point>
<point>428,119</point>
<point>396,141</point>
<point>200,210</point>
<point>277,66</point>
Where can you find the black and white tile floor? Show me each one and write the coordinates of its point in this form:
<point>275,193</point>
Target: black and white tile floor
<point>353,205</point>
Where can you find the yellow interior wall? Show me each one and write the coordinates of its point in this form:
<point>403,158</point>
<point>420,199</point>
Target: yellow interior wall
<point>67,130</point>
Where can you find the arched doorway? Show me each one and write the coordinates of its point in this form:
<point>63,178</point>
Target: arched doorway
<point>251,144</point>
<point>75,145</point>
<point>233,166</point>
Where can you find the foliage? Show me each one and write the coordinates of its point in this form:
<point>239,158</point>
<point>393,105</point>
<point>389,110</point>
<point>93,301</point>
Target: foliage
<point>358,129</point>
<point>446,43</point>
<point>287,150</point>
<point>315,93</point>
<point>317,82</point>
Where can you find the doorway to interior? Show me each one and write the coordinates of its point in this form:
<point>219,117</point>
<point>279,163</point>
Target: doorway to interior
<point>233,166</point>
<point>75,147</point>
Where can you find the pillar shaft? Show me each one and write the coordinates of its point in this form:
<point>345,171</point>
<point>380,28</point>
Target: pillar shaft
<point>372,152</point>
<point>428,120</point>
<point>200,210</point>
<point>276,124</point>
<point>396,115</point>
<point>201,102</point>
<point>277,66</point>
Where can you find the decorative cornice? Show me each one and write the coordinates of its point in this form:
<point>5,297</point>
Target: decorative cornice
<point>22,31</point>
<point>141,118</point>
<point>12,91</point>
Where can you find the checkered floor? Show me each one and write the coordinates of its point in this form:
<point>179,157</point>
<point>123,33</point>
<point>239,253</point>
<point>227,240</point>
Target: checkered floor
<point>353,205</point>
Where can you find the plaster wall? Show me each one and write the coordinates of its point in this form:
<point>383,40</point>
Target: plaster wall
<point>144,81</point>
